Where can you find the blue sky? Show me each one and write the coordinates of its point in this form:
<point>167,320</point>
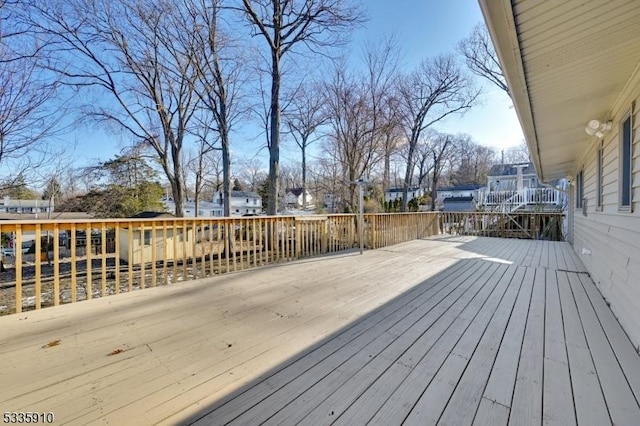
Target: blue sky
<point>424,28</point>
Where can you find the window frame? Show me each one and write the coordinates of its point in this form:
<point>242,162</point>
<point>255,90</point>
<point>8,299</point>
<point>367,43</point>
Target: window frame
<point>579,189</point>
<point>600,176</point>
<point>626,174</point>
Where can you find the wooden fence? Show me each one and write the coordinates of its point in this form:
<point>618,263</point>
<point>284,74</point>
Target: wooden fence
<point>69,261</point>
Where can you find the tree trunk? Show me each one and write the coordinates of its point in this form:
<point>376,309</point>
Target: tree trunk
<point>226,177</point>
<point>304,179</point>
<point>434,183</point>
<point>274,146</point>
<point>407,176</point>
<point>387,171</point>
<point>178,195</point>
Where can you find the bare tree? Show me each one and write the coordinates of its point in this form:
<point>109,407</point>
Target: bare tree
<point>305,114</point>
<point>437,89</point>
<point>516,154</point>
<point>129,50</point>
<point>30,110</point>
<point>470,162</point>
<point>200,164</point>
<point>252,172</point>
<point>424,162</point>
<point>382,62</point>
<point>351,137</point>
<point>220,75</point>
<point>284,25</point>
<point>441,146</point>
<point>480,56</point>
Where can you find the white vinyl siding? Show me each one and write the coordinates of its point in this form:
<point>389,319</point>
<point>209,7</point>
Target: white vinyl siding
<point>608,239</point>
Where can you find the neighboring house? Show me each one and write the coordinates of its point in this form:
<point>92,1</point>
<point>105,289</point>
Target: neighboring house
<point>136,243</point>
<point>458,204</point>
<point>293,198</point>
<point>575,86</point>
<point>466,190</point>
<point>8,205</point>
<point>513,187</point>
<point>393,194</point>
<point>205,209</point>
<point>242,203</point>
<point>512,177</point>
<point>460,193</point>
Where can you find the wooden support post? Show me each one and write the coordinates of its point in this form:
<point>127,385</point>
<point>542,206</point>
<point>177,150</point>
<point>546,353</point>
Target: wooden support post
<point>56,264</point>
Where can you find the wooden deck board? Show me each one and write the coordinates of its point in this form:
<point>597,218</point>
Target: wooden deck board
<point>621,402</point>
<point>558,406</point>
<point>352,391</point>
<point>340,347</point>
<point>455,330</point>
<point>589,402</point>
<point>379,354</point>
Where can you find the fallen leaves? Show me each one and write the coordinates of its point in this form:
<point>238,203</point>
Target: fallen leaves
<point>116,352</point>
<point>51,344</point>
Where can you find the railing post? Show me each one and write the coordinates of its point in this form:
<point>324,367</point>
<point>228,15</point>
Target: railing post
<point>298,241</point>
<point>38,264</point>
<point>17,253</point>
<point>56,264</point>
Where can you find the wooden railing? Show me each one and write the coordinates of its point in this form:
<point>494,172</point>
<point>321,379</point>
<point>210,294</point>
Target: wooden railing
<point>526,196</point>
<point>69,261</point>
<point>546,226</point>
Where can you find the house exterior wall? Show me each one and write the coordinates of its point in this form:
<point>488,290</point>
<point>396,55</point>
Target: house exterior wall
<point>607,240</point>
<point>239,205</point>
<point>8,205</point>
<point>510,182</point>
<point>396,194</point>
<point>292,199</point>
<point>457,193</point>
<point>142,250</point>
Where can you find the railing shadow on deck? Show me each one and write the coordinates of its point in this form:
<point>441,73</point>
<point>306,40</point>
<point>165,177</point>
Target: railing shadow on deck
<point>377,316</point>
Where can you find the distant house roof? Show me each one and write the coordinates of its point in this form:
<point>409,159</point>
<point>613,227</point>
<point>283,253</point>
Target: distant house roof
<point>245,194</point>
<point>151,215</point>
<point>511,170</point>
<point>465,187</point>
<point>395,190</point>
<point>295,191</point>
<point>459,204</point>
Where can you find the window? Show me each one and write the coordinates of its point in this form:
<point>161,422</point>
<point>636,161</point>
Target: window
<point>625,164</point>
<point>579,190</point>
<point>147,238</point>
<point>599,165</point>
<point>255,201</point>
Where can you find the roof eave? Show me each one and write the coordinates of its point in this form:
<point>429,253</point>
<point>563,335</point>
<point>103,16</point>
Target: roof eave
<point>498,15</point>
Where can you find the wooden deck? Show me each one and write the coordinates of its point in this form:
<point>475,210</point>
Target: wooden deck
<point>457,330</point>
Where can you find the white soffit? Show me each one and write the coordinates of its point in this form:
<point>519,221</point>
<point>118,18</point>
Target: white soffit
<point>566,63</point>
